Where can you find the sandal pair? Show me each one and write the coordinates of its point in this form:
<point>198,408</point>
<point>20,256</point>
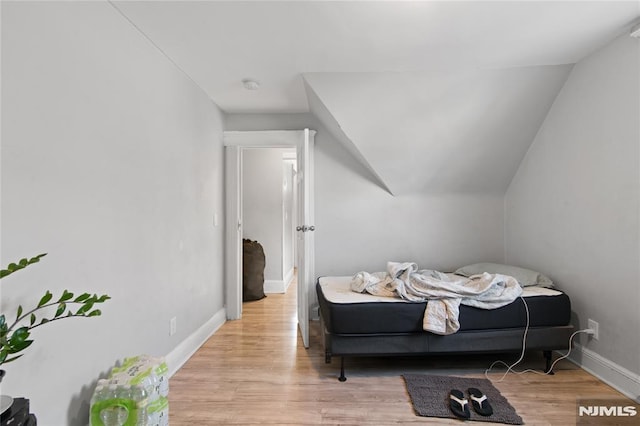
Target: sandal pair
<point>460,405</point>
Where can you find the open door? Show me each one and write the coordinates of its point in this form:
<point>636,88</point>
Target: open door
<point>235,142</point>
<point>233,231</point>
<point>305,230</point>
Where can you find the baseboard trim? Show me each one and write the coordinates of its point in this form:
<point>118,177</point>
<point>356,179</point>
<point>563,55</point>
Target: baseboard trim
<point>616,376</point>
<point>185,349</point>
<point>274,286</point>
<point>288,279</point>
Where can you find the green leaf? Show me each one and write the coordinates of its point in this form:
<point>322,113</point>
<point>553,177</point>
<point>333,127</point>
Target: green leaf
<point>12,359</point>
<point>22,346</point>
<point>94,313</point>
<point>44,321</point>
<point>19,314</point>
<point>85,308</point>
<point>46,298</point>
<point>24,262</point>
<point>19,336</point>
<point>66,295</point>
<point>103,298</point>
<point>3,355</point>
<point>2,321</point>
<point>33,320</point>
<point>61,308</point>
<point>37,258</point>
<point>4,273</point>
<point>82,297</point>
<point>13,267</point>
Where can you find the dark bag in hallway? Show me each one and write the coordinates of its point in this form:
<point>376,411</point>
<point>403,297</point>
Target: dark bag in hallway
<point>253,262</point>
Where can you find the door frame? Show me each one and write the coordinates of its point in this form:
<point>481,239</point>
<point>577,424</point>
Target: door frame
<point>234,143</point>
<point>293,212</point>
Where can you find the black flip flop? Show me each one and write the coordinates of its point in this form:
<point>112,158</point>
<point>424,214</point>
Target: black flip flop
<point>480,402</point>
<point>459,404</point>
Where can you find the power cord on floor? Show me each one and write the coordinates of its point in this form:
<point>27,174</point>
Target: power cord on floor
<point>524,343</point>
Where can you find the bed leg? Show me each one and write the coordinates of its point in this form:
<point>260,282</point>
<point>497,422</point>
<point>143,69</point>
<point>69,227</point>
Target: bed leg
<point>548,357</point>
<point>342,377</point>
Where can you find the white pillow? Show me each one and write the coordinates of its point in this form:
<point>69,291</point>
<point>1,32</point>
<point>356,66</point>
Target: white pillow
<point>525,277</point>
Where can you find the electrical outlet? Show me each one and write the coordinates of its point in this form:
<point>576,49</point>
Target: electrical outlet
<point>172,326</point>
<point>594,326</point>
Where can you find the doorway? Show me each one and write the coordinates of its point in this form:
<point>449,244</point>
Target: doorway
<point>235,142</point>
<point>267,211</point>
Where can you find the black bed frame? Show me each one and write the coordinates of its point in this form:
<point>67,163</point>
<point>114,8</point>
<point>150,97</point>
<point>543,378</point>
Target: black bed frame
<point>545,339</point>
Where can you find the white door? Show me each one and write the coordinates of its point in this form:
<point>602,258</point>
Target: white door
<point>234,142</point>
<point>305,230</point>
<point>233,231</point>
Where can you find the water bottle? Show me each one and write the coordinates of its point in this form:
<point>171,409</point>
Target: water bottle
<point>118,405</point>
<point>162,372</point>
<point>99,395</point>
<point>134,395</point>
<point>99,392</point>
<point>158,412</point>
<point>140,396</point>
<point>115,413</point>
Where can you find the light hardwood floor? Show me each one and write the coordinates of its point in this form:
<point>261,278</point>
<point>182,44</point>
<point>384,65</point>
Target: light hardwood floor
<point>255,371</point>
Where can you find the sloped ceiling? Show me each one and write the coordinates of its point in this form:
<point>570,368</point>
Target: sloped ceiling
<point>463,131</point>
<point>428,96</point>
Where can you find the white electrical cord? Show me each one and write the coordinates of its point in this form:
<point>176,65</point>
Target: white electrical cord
<point>524,342</point>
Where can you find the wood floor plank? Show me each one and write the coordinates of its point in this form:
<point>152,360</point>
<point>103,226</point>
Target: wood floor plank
<point>256,371</point>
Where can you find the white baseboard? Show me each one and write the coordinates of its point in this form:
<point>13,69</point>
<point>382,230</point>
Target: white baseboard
<point>279,286</point>
<point>616,376</point>
<point>274,286</point>
<point>181,353</point>
<point>288,277</point>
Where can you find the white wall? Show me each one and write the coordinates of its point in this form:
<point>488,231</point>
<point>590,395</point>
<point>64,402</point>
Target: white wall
<point>359,226</point>
<point>262,205</point>
<point>111,163</point>
<point>573,207</point>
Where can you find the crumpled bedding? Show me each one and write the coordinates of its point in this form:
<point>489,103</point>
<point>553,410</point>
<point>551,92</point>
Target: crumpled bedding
<point>444,292</point>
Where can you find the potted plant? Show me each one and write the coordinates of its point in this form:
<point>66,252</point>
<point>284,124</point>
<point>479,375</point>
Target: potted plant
<point>15,333</point>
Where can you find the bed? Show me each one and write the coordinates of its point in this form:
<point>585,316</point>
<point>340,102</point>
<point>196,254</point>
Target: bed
<point>355,324</point>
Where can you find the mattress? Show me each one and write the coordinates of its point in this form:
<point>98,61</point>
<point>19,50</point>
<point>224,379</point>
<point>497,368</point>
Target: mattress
<point>346,312</point>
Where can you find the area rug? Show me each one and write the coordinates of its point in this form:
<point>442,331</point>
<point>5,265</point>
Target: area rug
<point>430,397</point>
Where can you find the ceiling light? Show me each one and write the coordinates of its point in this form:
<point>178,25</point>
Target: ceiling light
<point>250,84</point>
<point>635,31</point>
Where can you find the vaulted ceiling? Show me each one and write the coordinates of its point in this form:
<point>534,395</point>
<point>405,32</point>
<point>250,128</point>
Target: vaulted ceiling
<point>434,96</point>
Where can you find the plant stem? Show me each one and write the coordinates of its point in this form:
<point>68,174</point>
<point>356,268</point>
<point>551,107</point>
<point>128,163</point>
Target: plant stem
<point>47,305</point>
<point>31,327</point>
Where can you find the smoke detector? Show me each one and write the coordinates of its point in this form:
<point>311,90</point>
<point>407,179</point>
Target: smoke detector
<point>250,84</point>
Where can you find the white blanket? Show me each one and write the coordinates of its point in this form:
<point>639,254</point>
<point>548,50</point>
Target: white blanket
<point>444,292</point>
